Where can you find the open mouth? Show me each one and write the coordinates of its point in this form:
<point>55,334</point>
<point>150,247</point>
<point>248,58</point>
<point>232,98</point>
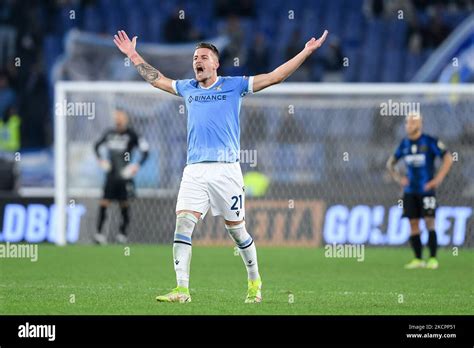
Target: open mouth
<point>199,69</point>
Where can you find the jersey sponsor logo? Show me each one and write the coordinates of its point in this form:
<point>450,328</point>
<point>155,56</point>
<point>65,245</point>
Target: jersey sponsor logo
<point>207,98</point>
<point>417,160</point>
<point>118,142</point>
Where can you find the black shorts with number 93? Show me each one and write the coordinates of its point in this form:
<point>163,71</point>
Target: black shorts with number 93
<point>416,206</point>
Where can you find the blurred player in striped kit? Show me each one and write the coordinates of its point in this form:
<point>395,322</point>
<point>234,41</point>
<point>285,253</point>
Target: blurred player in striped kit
<point>419,152</point>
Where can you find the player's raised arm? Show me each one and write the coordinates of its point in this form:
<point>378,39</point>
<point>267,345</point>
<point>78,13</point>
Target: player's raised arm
<point>149,73</point>
<point>285,70</point>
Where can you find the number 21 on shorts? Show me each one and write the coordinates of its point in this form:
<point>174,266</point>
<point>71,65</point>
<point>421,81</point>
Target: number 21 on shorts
<point>237,202</point>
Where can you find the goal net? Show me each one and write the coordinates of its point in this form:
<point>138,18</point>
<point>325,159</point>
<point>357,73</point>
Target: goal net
<point>313,158</point>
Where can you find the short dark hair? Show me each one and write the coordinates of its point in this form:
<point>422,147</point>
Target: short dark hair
<point>210,46</point>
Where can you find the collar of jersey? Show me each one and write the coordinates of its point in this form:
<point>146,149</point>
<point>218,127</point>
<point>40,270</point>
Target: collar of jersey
<point>217,80</point>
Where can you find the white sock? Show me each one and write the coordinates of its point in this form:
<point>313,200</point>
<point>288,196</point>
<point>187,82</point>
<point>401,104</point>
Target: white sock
<point>247,248</point>
<point>182,247</point>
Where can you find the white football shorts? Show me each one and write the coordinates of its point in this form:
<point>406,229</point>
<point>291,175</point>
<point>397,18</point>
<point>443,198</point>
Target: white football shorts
<point>215,185</point>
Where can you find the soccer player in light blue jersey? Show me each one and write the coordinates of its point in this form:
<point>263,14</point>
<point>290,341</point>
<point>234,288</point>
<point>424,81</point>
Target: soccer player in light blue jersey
<point>212,177</point>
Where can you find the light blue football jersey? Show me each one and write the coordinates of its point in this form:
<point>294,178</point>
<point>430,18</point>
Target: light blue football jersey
<point>213,117</point>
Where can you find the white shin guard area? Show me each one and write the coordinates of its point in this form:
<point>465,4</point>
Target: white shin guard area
<point>182,247</point>
<point>247,248</point>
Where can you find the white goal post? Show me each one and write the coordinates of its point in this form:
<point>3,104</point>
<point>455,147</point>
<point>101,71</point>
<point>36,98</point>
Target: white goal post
<point>316,98</point>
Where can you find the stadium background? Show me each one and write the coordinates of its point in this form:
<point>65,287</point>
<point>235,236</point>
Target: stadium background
<point>302,153</point>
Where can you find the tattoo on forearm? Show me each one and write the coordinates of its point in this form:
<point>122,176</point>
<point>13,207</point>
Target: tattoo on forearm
<point>148,72</point>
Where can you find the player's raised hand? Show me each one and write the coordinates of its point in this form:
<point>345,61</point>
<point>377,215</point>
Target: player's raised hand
<point>124,44</point>
<point>313,44</point>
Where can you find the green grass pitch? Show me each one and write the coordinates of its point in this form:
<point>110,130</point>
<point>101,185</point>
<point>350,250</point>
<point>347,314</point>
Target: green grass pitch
<point>80,279</point>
